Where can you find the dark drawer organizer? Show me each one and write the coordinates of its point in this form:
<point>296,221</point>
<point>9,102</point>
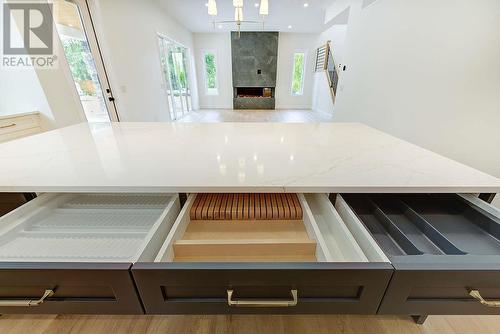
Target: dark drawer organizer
<point>442,247</point>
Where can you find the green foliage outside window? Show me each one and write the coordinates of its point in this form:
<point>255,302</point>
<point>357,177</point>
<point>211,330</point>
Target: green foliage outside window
<point>298,73</point>
<point>176,63</point>
<point>75,52</point>
<point>211,71</point>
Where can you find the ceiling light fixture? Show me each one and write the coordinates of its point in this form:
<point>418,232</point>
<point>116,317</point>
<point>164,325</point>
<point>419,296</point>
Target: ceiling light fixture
<point>238,15</point>
<point>264,7</point>
<point>256,4</point>
<point>212,8</point>
<point>306,4</point>
<point>289,27</point>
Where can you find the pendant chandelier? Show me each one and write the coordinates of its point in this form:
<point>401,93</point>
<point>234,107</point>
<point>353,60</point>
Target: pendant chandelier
<point>238,13</point>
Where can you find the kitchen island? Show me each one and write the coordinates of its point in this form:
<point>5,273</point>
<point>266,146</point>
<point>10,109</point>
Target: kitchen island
<point>385,226</point>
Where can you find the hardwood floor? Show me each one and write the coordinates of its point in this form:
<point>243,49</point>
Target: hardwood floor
<point>18,324</point>
<point>231,115</point>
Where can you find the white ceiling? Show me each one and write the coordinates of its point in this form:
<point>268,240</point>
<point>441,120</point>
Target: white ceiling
<point>282,13</point>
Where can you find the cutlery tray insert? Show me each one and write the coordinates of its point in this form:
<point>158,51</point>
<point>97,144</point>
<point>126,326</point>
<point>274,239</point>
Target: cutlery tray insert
<point>418,224</point>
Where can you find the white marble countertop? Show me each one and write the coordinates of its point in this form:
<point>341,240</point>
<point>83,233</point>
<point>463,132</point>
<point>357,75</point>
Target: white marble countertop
<point>223,157</point>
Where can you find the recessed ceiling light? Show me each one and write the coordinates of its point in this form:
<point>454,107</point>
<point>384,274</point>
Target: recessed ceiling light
<point>220,26</point>
<point>306,4</point>
<point>256,4</point>
<point>206,4</point>
<point>290,27</point>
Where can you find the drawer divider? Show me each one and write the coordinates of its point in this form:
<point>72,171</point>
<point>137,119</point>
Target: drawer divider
<point>488,216</point>
<point>180,225</point>
<point>430,231</point>
<point>322,251</point>
<point>363,237</point>
<point>394,231</point>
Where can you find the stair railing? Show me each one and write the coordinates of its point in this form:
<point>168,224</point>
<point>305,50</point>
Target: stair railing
<point>325,62</point>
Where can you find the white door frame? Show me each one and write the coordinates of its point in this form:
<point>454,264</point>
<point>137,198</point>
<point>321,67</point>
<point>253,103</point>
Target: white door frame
<point>163,38</point>
<point>90,33</point>
<point>163,52</point>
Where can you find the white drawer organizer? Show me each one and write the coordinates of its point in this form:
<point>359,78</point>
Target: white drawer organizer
<point>133,227</point>
<point>86,228</point>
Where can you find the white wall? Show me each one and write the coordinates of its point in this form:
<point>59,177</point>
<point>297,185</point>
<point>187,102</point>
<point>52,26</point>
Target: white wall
<point>48,91</point>
<point>429,72</point>
<point>337,16</point>
<point>220,43</point>
<point>20,92</point>
<point>128,31</point>
<point>322,97</point>
<point>336,8</point>
<point>60,91</point>
<point>288,44</point>
<point>336,34</point>
<point>322,100</point>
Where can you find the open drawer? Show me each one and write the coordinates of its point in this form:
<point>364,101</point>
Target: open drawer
<point>321,263</point>
<point>445,249</point>
<point>72,253</point>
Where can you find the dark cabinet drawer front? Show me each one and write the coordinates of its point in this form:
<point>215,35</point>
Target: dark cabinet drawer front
<point>441,292</point>
<point>442,246</point>
<point>241,290</point>
<point>79,288</point>
<point>202,288</point>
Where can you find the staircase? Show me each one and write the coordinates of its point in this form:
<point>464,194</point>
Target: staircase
<point>326,63</point>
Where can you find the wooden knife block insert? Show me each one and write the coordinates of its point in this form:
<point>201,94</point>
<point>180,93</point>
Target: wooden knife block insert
<point>245,227</point>
<point>247,207</point>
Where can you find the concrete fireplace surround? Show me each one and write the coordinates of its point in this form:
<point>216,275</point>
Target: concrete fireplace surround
<point>254,62</point>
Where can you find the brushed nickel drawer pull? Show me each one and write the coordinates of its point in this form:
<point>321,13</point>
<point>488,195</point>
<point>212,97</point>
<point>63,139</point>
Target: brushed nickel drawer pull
<point>27,303</point>
<point>262,303</point>
<point>477,295</point>
<point>7,126</point>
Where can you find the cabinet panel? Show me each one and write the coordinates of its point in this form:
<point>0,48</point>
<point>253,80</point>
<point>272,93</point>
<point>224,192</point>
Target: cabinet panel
<point>202,288</point>
<point>343,276</point>
<point>72,253</point>
<point>421,291</point>
<point>445,249</point>
<point>78,288</point>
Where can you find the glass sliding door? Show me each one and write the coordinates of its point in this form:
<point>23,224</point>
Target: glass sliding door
<point>173,58</point>
<point>76,32</point>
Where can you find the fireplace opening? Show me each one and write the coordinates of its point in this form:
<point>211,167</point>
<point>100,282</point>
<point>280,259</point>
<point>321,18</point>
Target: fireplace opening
<point>253,98</point>
<point>263,92</point>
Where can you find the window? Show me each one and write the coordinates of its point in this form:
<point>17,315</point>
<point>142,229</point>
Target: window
<point>299,60</point>
<point>210,68</point>
<point>174,59</point>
